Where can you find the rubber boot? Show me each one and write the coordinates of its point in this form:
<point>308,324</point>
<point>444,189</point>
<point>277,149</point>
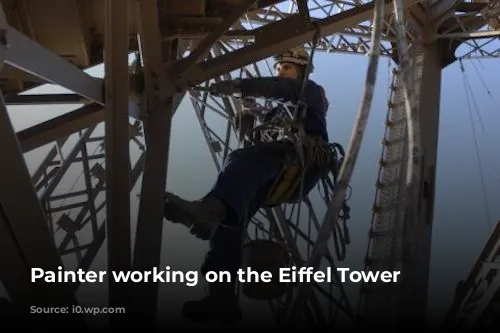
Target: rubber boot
<point>220,305</point>
<point>202,217</point>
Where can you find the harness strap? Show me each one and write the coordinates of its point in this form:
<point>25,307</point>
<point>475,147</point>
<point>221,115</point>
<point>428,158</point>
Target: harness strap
<point>318,153</point>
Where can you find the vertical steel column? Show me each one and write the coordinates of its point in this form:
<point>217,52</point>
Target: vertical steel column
<point>157,128</point>
<point>403,304</point>
<point>117,150</point>
<point>476,297</point>
<point>417,237</point>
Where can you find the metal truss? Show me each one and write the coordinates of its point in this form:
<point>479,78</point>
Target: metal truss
<point>352,39</point>
<point>270,39</point>
<point>295,225</point>
<point>44,223</point>
<point>476,25</point>
<point>64,226</point>
<point>26,235</point>
<point>76,214</point>
<point>75,217</point>
<point>477,298</point>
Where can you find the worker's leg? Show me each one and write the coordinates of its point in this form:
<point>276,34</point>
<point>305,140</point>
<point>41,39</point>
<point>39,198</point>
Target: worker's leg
<point>225,254</point>
<point>221,302</point>
<point>245,172</point>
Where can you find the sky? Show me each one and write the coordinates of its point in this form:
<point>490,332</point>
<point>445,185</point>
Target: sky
<point>464,215</point>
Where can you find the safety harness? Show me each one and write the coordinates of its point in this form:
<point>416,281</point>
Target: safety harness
<point>302,152</point>
<point>308,151</point>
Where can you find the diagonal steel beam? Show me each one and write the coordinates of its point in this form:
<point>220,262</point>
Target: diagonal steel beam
<point>59,127</point>
<point>49,189</point>
<point>206,44</point>
<point>31,57</point>
<point>66,124</point>
<point>45,99</point>
<point>468,294</point>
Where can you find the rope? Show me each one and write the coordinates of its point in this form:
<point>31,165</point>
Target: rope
<point>476,144</point>
<point>298,115</point>
<point>337,202</point>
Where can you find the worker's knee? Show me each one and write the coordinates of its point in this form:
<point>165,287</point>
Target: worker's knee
<point>256,156</point>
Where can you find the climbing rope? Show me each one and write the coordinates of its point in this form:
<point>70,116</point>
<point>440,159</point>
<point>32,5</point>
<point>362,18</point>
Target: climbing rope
<point>347,167</point>
<point>349,161</point>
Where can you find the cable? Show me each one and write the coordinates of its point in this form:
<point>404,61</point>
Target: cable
<point>483,186</point>
<point>321,244</point>
<point>469,88</point>
<point>482,81</point>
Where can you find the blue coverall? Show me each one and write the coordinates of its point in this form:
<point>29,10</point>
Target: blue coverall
<point>249,173</point>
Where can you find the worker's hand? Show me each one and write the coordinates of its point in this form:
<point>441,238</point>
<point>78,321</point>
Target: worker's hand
<point>222,88</point>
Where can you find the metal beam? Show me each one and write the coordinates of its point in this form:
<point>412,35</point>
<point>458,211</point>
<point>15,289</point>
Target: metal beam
<point>66,164</point>
<point>33,58</point>
<point>204,47</point>
<point>25,220</point>
<point>470,300</point>
<point>66,124</point>
<point>45,99</point>
<point>157,128</point>
<point>59,127</point>
<point>42,169</point>
<point>15,275</point>
<point>269,40</point>
<point>117,152</point>
<point>470,35</point>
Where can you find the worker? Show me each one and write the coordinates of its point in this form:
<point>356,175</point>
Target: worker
<point>245,179</point>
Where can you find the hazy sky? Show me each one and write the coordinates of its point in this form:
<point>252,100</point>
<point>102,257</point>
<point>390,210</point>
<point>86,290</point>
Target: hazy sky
<point>460,224</point>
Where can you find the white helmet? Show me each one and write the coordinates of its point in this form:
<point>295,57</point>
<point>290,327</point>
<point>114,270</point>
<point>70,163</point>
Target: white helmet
<point>297,55</point>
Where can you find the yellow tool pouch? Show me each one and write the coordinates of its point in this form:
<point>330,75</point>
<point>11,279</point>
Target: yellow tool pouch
<point>285,185</point>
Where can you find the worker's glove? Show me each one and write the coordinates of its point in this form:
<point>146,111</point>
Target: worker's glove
<point>222,88</point>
